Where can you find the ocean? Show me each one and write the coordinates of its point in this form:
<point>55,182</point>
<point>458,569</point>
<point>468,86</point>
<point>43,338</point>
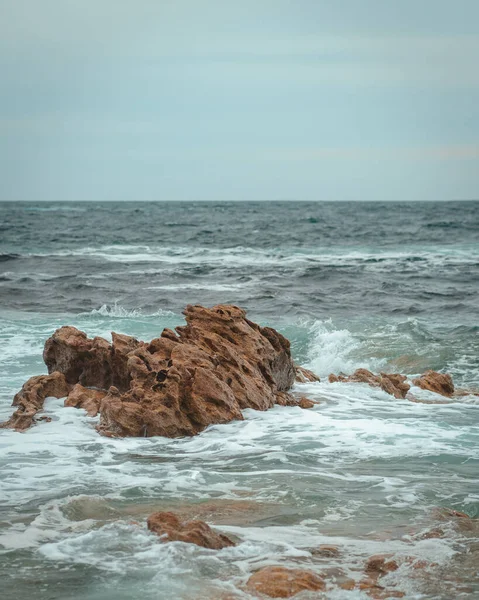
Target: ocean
<point>386,286</point>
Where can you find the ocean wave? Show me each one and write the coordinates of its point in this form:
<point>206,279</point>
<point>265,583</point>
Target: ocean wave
<point>5,256</point>
<point>119,312</point>
<point>334,350</point>
<point>239,256</point>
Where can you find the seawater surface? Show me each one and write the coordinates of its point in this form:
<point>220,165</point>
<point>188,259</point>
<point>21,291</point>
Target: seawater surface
<point>391,286</point>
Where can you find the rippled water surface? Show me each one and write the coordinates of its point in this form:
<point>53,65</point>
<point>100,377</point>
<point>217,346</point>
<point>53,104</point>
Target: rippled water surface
<point>383,286</point>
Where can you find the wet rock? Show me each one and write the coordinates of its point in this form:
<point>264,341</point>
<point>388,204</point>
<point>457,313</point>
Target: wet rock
<point>306,403</point>
<point>305,375</point>
<point>171,529</point>
<point>440,383</point>
<point>378,592</point>
<point>280,582</point>
<point>31,397</point>
<point>87,398</point>
<point>203,373</point>
<point>380,565</point>
<point>445,514</point>
<point>392,383</point>
<point>327,550</point>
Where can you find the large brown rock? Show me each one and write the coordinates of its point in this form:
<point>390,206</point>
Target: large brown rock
<point>179,383</point>
<point>441,383</point>
<point>87,398</point>
<point>171,529</point>
<point>31,397</point>
<point>392,383</point>
<point>280,582</point>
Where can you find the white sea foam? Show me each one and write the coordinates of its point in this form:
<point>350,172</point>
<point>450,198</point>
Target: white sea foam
<point>117,311</point>
<point>358,451</point>
<point>334,350</point>
<point>238,256</point>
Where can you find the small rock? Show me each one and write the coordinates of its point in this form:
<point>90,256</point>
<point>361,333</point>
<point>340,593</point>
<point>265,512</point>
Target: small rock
<point>440,383</point>
<point>281,582</point>
<point>169,527</point>
<point>306,403</point>
<point>305,375</point>
<point>327,550</point>
<point>380,565</point>
<point>392,383</point>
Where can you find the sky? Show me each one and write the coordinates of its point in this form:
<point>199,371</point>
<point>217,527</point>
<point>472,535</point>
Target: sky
<point>239,100</point>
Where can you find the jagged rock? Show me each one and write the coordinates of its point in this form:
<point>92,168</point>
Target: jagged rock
<point>441,383</point>
<point>392,383</point>
<point>168,526</point>
<point>86,398</point>
<point>305,375</point>
<point>280,582</point>
<point>90,362</point>
<point>203,373</point>
<point>31,397</point>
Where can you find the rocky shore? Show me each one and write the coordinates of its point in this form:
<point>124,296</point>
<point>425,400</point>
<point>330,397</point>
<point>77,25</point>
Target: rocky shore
<point>205,373</point>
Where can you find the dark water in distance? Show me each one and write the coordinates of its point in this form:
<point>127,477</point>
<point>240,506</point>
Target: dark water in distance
<point>386,286</point>
<point>288,258</point>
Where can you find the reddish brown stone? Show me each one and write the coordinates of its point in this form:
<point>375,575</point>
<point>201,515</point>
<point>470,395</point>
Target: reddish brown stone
<point>31,397</point>
<point>380,565</point>
<point>392,383</point>
<point>306,403</point>
<point>327,550</point>
<point>377,592</point>
<point>445,514</point>
<point>441,383</point>
<point>280,582</point>
<point>203,373</point>
<point>169,527</point>
<point>305,375</point>
<point>86,398</point>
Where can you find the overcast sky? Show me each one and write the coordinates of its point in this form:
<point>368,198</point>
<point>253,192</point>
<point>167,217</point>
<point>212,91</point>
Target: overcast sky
<point>244,99</point>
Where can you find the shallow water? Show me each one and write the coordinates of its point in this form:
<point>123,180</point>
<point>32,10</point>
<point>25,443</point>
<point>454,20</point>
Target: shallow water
<point>391,287</point>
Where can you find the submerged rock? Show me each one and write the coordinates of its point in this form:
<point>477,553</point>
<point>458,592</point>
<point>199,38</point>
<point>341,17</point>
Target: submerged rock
<point>441,383</point>
<point>31,397</point>
<point>168,526</point>
<point>392,383</point>
<point>280,582</point>
<point>380,565</point>
<point>179,383</point>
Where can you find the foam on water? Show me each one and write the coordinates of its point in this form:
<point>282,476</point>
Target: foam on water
<point>360,470</point>
<point>117,311</point>
<point>332,350</point>
<point>414,259</point>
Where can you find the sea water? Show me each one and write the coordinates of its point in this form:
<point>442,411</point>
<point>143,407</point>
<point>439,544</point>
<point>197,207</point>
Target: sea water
<point>391,286</point>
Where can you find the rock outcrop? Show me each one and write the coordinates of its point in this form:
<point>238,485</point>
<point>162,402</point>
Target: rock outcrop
<point>179,383</point>
<point>171,529</point>
<point>280,582</point>
<point>87,398</point>
<point>392,383</point>
<point>440,383</point>
<point>31,397</point>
